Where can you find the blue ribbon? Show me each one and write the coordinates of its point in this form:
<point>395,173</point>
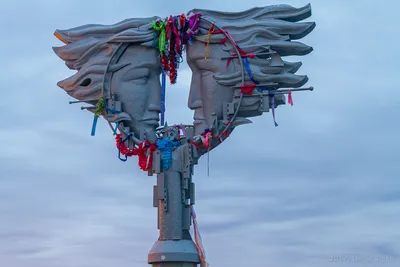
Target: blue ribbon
<point>116,128</point>
<point>273,106</point>
<point>163,83</point>
<point>119,149</point>
<point>154,44</point>
<point>95,119</point>
<point>166,146</point>
<point>113,111</point>
<point>94,125</point>
<point>119,155</point>
<point>261,88</point>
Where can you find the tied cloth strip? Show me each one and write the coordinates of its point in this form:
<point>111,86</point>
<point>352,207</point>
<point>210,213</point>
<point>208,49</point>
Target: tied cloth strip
<point>210,31</point>
<point>207,43</point>
<point>101,107</point>
<point>163,85</point>
<point>245,57</point>
<point>290,99</point>
<point>197,239</point>
<point>270,92</point>
<point>248,88</point>
<point>159,26</point>
<point>166,146</point>
<point>206,138</point>
<point>144,152</point>
<point>225,133</point>
<point>242,53</point>
<point>182,128</point>
<point>244,88</point>
<point>122,149</point>
<point>173,34</point>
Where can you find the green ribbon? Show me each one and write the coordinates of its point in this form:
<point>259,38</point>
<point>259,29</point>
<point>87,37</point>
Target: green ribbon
<point>162,37</point>
<point>100,107</point>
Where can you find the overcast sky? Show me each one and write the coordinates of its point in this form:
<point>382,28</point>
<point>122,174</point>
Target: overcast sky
<point>323,185</point>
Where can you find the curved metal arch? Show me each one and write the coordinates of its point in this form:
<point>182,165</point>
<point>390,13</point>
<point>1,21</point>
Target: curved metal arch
<point>241,66</point>
<point>122,48</point>
<point>107,82</point>
<point>113,60</point>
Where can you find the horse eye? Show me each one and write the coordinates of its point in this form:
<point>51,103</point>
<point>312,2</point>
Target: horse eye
<point>86,82</point>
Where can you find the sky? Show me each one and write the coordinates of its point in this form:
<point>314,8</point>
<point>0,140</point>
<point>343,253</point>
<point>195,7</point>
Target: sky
<point>322,189</point>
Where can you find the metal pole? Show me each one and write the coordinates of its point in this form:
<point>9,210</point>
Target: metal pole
<point>173,195</point>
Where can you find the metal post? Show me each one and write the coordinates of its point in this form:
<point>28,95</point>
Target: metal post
<point>173,195</point>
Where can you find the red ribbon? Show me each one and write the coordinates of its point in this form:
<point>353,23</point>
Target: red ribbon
<point>242,54</point>
<point>224,133</point>
<point>248,88</point>
<point>196,145</point>
<point>290,99</point>
<point>145,161</point>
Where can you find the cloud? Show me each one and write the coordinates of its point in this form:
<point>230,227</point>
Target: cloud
<point>320,189</point>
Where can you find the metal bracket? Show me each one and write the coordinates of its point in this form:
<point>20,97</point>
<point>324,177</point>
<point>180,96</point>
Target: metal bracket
<point>228,110</point>
<point>183,196</point>
<point>165,200</point>
<point>155,196</point>
<point>157,161</point>
<point>192,194</point>
<point>265,103</point>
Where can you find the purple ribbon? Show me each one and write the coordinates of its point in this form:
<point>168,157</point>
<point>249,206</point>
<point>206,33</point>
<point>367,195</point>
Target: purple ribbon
<point>273,108</point>
<point>193,26</point>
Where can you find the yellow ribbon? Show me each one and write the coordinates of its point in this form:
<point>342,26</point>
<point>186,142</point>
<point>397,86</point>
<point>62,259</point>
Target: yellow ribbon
<point>207,53</point>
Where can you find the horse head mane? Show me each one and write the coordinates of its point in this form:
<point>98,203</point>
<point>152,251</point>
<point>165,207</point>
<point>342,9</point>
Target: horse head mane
<point>97,43</point>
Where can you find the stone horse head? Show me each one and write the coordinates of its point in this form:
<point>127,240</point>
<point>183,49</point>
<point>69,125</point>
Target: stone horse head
<point>118,73</point>
<point>235,52</point>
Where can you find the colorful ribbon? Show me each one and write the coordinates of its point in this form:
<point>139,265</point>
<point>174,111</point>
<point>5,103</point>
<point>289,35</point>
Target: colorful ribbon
<point>94,124</point>
<point>210,31</point>
<point>271,93</point>
<point>160,27</point>
<point>163,84</point>
<point>166,146</point>
<point>197,239</point>
<point>290,99</point>
<point>181,127</point>
<point>144,152</point>
<point>248,88</point>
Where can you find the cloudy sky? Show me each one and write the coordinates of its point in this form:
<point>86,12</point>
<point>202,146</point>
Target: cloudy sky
<point>324,190</point>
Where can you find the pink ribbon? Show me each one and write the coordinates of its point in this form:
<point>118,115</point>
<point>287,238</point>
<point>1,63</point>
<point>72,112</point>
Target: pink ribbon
<point>290,99</point>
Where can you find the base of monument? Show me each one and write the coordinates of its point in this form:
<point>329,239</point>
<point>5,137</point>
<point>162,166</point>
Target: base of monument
<point>174,264</point>
<point>170,253</point>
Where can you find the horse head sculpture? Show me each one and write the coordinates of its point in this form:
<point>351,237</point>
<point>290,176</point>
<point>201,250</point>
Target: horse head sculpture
<point>118,73</point>
<point>237,72</point>
<point>235,53</point>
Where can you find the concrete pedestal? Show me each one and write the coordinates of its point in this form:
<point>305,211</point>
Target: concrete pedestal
<point>170,253</point>
<point>173,197</point>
